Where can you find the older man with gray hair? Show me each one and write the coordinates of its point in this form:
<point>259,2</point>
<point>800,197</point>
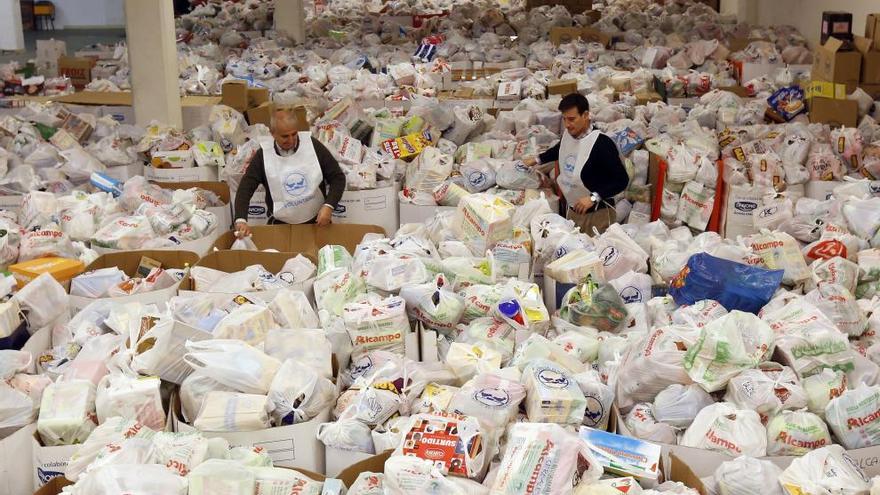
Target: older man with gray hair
<point>302,180</point>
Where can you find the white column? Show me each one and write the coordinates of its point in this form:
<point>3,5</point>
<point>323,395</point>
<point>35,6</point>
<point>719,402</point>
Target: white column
<point>152,53</point>
<point>290,19</point>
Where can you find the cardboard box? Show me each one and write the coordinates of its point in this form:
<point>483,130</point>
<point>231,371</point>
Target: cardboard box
<point>871,89</point>
<point>561,35</point>
<point>410,213</point>
<point>62,269</point>
<point>190,174</point>
<point>825,89</point>
<point>372,206</point>
<point>48,462</point>
<point>128,261</point>
<point>837,24</point>
<point>509,90</point>
<point>832,63</point>
<point>870,60</point>
<point>199,246</point>
<point>338,460</point>
<point>573,6</point>
<point>50,50</point>
<point>746,71</point>
<point>11,202</point>
<point>172,159</point>
<point>221,189</point>
<point>650,97</point>
<point>54,486</point>
<point>562,87</point>
<point>872,29</point>
<point>79,70</point>
<point>835,113</point>
<point>294,446</point>
<point>235,94</point>
<point>16,457</point>
<point>233,261</point>
<point>374,464</point>
<point>306,239</point>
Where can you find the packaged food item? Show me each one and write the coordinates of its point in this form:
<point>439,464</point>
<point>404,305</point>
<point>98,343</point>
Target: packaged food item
<point>826,470</point>
<point>746,475</point>
<point>67,412</point>
<point>490,398</point>
<point>553,396</point>
<point>796,433</point>
<point>231,411</point>
<point>455,443</point>
<point>543,459</point>
<point>854,417</point>
<point>639,459</point>
<point>593,304</point>
<point>767,390</point>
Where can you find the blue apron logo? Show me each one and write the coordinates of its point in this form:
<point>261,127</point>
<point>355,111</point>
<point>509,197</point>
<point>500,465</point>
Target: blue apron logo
<point>569,163</point>
<point>477,179</point>
<point>296,184</point>
<point>492,397</point>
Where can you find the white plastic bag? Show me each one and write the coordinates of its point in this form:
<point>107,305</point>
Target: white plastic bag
<point>298,393</point>
<point>233,363</point>
<point>723,428</point>
<point>746,476</point>
<point>853,417</point>
<point>678,405</point>
<point>796,433</point>
<point>825,471</point>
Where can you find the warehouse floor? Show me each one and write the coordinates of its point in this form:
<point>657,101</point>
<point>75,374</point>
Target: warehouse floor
<point>76,39</point>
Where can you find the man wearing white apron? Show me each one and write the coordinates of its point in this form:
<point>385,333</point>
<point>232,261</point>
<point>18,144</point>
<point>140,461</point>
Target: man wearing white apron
<point>589,170</point>
<point>302,180</point>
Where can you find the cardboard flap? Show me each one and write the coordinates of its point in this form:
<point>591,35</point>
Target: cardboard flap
<point>833,45</point>
<point>375,464</point>
<point>221,189</point>
<point>863,45</point>
<point>681,472</point>
<point>128,261</point>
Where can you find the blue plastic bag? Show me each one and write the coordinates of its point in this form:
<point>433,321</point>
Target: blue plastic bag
<point>734,285</point>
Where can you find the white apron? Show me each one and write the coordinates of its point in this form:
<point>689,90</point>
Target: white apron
<point>573,155</point>
<point>294,181</point>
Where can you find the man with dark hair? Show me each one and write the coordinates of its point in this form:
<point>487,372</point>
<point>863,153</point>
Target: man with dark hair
<point>590,172</point>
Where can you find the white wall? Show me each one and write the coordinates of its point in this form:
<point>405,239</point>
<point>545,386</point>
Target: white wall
<point>806,15</point>
<point>89,13</point>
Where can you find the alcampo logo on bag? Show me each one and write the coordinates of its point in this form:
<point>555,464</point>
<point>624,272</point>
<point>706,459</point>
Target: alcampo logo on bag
<point>492,397</point>
<point>296,184</point>
<point>552,378</point>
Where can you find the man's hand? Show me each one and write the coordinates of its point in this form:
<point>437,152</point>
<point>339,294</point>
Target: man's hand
<point>242,229</point>
<point>583,205</point>
<point>530,161</point>
<point>546,182</point>
<point>325,216</point>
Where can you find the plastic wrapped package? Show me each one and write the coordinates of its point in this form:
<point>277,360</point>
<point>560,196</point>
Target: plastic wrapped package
<point>826,470</point>
<point>641,423</point>
<point>117,478</point>
<point>220,476</point>
<point>726,346</point>
<point>678,405</point>
<point>308,346</point>
<point>599,396</point>
<point>593,304</point>
<point>231,411</point>
<point>248,323</point>
<point>293,310</point>
<point>298,394</point>
<point>853,419</point>
<point>839,305</point>
<point>553,394</point>
<point>390,272</point>
<point>335,289</point>
<point>796,433</point>
<point>822,387</point>
<point>130,397</point>
<point>548,450</point>
<point>377,324</point>
<point>278,480</point>
<point>767,390</point>
<point>735,285</point>
<point>233,363</point>
<point>722,427</point>
<point>490,398</point>
<point>654,363</point>
<point>67,412</point>
<point>458,445</point>
<point>746,475</point>
<point>434,304</point>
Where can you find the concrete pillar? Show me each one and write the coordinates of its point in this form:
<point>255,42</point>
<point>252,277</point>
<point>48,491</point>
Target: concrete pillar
<point>152,53</point>
<point>290,19</point>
